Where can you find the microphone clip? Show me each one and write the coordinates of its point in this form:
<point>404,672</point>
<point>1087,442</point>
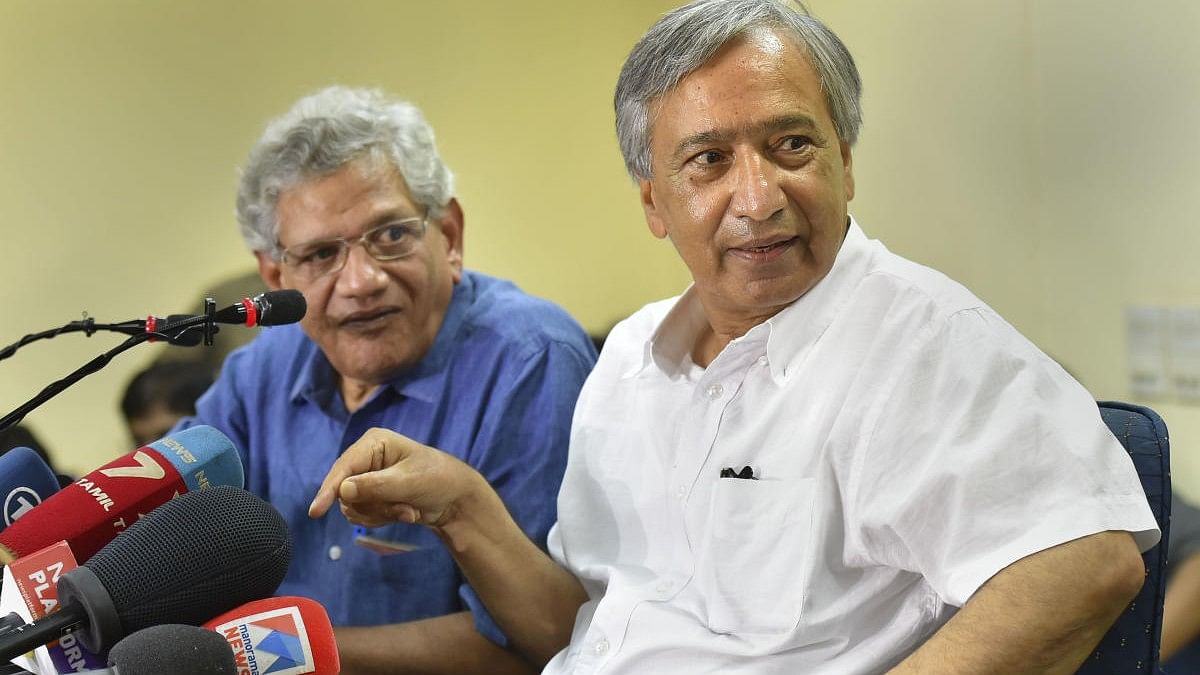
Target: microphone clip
<point>183,329</point>
<point>210,321</point>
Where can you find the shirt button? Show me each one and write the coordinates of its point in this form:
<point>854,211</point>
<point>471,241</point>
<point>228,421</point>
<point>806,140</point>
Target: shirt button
<point>335,552</point>
<point>762,361</point>
<point>715,391</point>
<point>601,647</point>
<point>664,587</point>
<point>681,491</point>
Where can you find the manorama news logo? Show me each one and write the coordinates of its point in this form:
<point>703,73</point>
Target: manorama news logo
<point>272,642</point>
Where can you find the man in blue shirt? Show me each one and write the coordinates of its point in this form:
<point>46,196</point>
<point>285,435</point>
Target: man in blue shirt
<point>345,198</point>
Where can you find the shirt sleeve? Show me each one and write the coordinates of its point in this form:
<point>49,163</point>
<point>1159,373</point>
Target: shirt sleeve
<point>522,446</point>
<point>986,451</point>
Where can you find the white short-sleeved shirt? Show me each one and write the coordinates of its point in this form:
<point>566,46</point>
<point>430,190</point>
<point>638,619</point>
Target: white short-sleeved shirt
<point>908,444</point>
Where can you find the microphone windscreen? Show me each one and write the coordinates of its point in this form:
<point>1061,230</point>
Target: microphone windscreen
<point>25,481</point>
<point>203,456</point>
<point>88,513</point>
<point>276,308</point>
<point>285,634</point>
<point>194,557</point>
<point>176,648</point>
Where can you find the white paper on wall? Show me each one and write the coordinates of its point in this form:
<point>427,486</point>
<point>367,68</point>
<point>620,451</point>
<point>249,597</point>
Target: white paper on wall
<point>1146,335</point>
<point>1184,352</point>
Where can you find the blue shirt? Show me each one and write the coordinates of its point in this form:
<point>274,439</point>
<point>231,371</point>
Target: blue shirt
<point>496,390</point>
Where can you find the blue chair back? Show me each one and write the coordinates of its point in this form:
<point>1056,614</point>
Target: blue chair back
<point>1130,647</point>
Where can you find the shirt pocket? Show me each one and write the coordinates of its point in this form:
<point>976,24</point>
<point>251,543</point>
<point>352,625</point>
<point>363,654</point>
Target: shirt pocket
<point>753,571</point>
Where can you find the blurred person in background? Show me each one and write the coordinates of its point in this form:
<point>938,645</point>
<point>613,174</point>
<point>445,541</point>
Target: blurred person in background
<point>1179,649</point>
<point>159,396</point>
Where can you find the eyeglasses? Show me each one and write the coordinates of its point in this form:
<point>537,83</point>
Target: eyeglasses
<point>390,241</point>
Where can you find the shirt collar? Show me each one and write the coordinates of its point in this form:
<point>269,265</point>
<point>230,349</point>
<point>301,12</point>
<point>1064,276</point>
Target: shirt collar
<point>670,346</point>
<point>789,333</point>
<point>318,381</point>
<point>793,331</point>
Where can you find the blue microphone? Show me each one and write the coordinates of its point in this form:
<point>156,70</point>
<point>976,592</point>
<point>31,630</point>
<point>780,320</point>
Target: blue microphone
<point>25,481</point>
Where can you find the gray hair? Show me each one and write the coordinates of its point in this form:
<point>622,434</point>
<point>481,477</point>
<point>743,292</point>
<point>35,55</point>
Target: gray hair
<point>687,38</point>
<point>322,133</point>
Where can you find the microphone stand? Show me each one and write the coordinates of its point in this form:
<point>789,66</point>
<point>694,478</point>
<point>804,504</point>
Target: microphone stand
<point>166,332</point>
<point>89,327</point>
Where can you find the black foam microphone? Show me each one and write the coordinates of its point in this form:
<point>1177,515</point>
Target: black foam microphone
<point>198,555</point>
<point>186,650</point>
<point>273,308</point>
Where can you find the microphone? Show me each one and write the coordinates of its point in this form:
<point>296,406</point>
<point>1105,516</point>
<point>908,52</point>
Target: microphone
<point>273,308</point>
<point>190,559</point>
<point>88,513</point>
<point>187,650</point>
<point>25,481</point>
<point>287,634</point>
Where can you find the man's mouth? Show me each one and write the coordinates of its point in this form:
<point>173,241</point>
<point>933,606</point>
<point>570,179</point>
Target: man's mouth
<point>368,319</point>
<point>764,251</point>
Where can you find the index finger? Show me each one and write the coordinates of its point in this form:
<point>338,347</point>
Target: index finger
<point>368,453</point>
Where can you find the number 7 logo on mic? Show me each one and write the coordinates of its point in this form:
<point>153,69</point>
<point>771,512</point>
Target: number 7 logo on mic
<point>146,468</point>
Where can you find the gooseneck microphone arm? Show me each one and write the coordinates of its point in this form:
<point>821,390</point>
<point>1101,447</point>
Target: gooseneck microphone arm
<point>55,388</point>
<point>174,329</point>
<point>269,309</point>
<point>88,326</point>
<point>272,308</point>
<point>165,332</point>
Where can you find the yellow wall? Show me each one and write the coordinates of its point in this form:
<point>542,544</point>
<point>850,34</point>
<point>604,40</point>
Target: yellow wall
<point>1043,152</point>
<point>1118,146</point>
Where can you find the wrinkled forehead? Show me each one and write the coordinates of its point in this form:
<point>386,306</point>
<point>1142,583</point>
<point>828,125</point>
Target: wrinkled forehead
<point>757,75</point>
<point>773,49</point>
<point>357,196</point>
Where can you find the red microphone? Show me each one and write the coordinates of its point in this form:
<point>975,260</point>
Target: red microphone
<point>90,512</point>
<point>288,634</point>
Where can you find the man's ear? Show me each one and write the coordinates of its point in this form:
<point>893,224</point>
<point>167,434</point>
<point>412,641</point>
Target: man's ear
<point>451,223</point>
<point>654,217</point>
<point>270,270</point>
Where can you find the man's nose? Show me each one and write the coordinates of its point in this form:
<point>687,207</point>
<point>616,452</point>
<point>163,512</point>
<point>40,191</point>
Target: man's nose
<point>757,194</point>
<point>362,273</point>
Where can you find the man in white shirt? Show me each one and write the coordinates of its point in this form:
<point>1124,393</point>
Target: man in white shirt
<point>821,458</point>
